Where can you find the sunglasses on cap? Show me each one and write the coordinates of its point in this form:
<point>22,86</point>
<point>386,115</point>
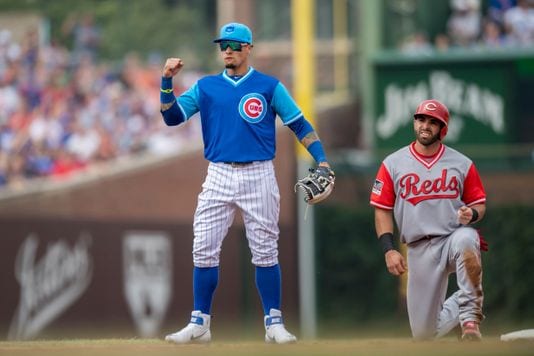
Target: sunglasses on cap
<point>234,45</point>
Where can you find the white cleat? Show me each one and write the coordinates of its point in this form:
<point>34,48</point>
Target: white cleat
<point>197,331</point>
<point>275,331</point>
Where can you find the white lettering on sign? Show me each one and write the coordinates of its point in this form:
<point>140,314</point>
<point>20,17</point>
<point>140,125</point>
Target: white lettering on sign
<point>461,98</point>
<point>147,265</point>
<point>50,285</point>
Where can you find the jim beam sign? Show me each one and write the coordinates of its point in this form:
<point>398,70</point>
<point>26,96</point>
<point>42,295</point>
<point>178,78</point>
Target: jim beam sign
<point>464,99</point>
<point>147,264</point>
<point>49,284</point>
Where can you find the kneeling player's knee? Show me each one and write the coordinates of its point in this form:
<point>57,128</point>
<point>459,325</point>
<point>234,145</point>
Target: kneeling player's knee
<point>467,241</point>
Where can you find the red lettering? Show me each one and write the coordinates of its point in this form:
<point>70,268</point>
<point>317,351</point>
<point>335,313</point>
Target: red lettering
<point>415,191</point>
<point>426,187</point>
<point>406,185</point>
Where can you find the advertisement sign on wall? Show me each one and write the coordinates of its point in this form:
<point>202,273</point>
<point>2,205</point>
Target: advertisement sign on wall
<point>479,95</point>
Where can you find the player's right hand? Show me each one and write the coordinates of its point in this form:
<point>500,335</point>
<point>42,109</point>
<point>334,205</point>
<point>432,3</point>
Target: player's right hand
<point>172,67</point>
<point>395,263</point>
<point>464,215</point>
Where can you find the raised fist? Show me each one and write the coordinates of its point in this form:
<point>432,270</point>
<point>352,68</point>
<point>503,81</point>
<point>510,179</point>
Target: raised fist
<point>172,67</point>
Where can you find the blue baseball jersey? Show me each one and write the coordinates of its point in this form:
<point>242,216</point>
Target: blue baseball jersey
<point>239,116</point>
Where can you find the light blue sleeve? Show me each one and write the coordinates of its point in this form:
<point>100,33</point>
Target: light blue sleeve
<point>188,101</point>
<point>284,105</point>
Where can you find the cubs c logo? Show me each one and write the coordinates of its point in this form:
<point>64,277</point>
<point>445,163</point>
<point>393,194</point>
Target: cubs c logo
<point>430,106</point>
<point>252,107</point>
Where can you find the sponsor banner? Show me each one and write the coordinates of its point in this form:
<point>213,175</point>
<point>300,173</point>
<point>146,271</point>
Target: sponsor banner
<point>147,262</point>
<point>480,104</point>
<point>49,285</point>
<point>78,279</point>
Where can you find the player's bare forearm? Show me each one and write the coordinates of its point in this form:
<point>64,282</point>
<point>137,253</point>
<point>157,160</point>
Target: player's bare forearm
<point>481,208</point>
<point>383,221</point>
<point>395,262</point>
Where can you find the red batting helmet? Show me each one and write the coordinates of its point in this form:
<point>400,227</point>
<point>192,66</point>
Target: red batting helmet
<point>437,110</point>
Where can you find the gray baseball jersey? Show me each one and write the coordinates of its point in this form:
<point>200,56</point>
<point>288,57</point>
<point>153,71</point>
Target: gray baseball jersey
<point>425,194</point>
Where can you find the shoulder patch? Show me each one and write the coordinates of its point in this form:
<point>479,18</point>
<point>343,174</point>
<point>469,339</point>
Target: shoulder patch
<point>377,187</point>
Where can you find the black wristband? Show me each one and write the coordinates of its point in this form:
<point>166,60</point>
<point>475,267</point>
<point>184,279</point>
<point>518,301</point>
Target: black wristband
<point>386,240</point>
<point>475,216</point>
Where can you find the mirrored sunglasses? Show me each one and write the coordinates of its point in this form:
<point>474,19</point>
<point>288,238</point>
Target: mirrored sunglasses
<point>234,45</point>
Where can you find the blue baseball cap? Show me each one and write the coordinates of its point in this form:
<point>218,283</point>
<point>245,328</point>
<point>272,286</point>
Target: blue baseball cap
<point>234,31</point>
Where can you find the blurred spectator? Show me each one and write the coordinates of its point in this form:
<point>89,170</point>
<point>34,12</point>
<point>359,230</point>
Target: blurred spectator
<point>417,44</point>
<point>492,35</point>
<point>85,34</point>
<point>9,50</point>
<point>30,50</point>
<point>3,168</point>
<point>39,162</point>
<point>519,24</point>
<point>83,143</point>
<point>442,42</point>
<point>464,23</point>
<point>497,8</point>
<point>64,164</point>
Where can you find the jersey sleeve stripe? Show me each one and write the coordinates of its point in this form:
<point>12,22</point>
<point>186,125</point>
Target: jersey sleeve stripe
<point>478,201</point>
<point>293,119</point>
<point>380,205</point>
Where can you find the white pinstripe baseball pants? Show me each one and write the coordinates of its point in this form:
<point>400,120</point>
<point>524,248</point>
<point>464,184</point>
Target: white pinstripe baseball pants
<point>254,190</point>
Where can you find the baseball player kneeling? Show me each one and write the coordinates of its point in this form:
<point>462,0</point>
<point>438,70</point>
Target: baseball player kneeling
<point>434,194</point>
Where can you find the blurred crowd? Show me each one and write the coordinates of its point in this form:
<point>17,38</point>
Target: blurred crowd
<point>500,24</point>
<point>61,110</point>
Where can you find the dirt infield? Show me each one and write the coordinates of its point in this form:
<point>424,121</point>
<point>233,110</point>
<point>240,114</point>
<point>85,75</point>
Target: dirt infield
<point>153,347</point>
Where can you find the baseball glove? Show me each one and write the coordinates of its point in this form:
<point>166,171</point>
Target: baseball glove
<point>317,185</point>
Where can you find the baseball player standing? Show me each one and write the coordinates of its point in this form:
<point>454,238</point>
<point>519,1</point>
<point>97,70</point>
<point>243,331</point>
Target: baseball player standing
<point>434,194</point>
<point>238,110</point>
